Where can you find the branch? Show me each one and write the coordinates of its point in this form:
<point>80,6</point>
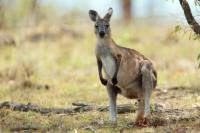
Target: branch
<point>189,17</point>
<point>18,129</point>
<point>83,107</point>
<point>78,108</point>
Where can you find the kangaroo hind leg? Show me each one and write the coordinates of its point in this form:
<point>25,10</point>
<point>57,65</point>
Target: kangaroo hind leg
<point>112,95</point>
<point>148,80</point>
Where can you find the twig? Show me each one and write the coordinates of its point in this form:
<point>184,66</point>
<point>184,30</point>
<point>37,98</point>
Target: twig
<point>17,129</point>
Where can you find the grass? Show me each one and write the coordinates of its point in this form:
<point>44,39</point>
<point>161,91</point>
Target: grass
<point>67,65</point>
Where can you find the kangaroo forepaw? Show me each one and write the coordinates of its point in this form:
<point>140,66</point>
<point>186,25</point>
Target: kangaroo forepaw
<point>114,81</point>
<point>104,81</point>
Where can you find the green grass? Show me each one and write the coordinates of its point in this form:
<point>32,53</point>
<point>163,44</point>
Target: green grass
<point>68,66</point>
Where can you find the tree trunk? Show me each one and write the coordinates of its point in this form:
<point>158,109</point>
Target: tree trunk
<point>126,11</point>
<point>77,108</point>
<point>2,13</point>
<point>189,17</point>
<point>33,12</point>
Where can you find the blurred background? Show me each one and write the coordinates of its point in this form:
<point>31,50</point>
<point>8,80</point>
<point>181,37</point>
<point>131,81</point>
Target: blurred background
<point>50,44</point>
<point>47,50</point>
<point>15,13</point>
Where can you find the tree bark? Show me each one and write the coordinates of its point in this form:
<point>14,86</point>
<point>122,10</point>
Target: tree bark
<point>78,108</point>
<point>126,10</point>
<point>189,17</point>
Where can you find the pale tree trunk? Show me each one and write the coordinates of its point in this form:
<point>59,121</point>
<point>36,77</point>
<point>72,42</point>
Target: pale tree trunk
<point>2,13</point>
<point>33,12</point>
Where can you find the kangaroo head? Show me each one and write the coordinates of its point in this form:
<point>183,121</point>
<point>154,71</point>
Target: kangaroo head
<point>102,26</point>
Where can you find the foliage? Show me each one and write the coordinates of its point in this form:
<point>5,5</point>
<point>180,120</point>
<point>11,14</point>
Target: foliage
<point>197,2</point>
<point>177,28</point>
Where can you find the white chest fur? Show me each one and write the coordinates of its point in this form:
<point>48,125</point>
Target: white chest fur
<point>103,51</point>
<point>109,65</point>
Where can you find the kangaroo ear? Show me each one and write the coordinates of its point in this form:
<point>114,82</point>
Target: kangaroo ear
<point>93,15</point>
<point>109,14</point>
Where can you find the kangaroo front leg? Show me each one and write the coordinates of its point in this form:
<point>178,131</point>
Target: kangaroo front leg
<point>99,64</point>
<point>118,60</point>
<point>112,94</point>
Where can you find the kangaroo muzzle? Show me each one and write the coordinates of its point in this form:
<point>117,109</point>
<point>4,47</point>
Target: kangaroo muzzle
<point>101,34</point>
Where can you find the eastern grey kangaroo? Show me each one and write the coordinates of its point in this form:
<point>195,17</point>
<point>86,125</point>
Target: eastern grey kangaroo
<point>127,72</point>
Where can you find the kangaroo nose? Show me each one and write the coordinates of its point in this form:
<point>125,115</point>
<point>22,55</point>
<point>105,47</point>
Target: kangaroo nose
<point>102,34</point>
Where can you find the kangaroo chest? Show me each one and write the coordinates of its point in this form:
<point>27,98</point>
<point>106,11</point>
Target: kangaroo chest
<point>108,62</point>
<point>109,65</point>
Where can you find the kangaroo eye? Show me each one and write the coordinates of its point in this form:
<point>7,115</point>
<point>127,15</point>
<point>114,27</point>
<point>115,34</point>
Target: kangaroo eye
<point>107,26</point>
<point>96,26</point>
